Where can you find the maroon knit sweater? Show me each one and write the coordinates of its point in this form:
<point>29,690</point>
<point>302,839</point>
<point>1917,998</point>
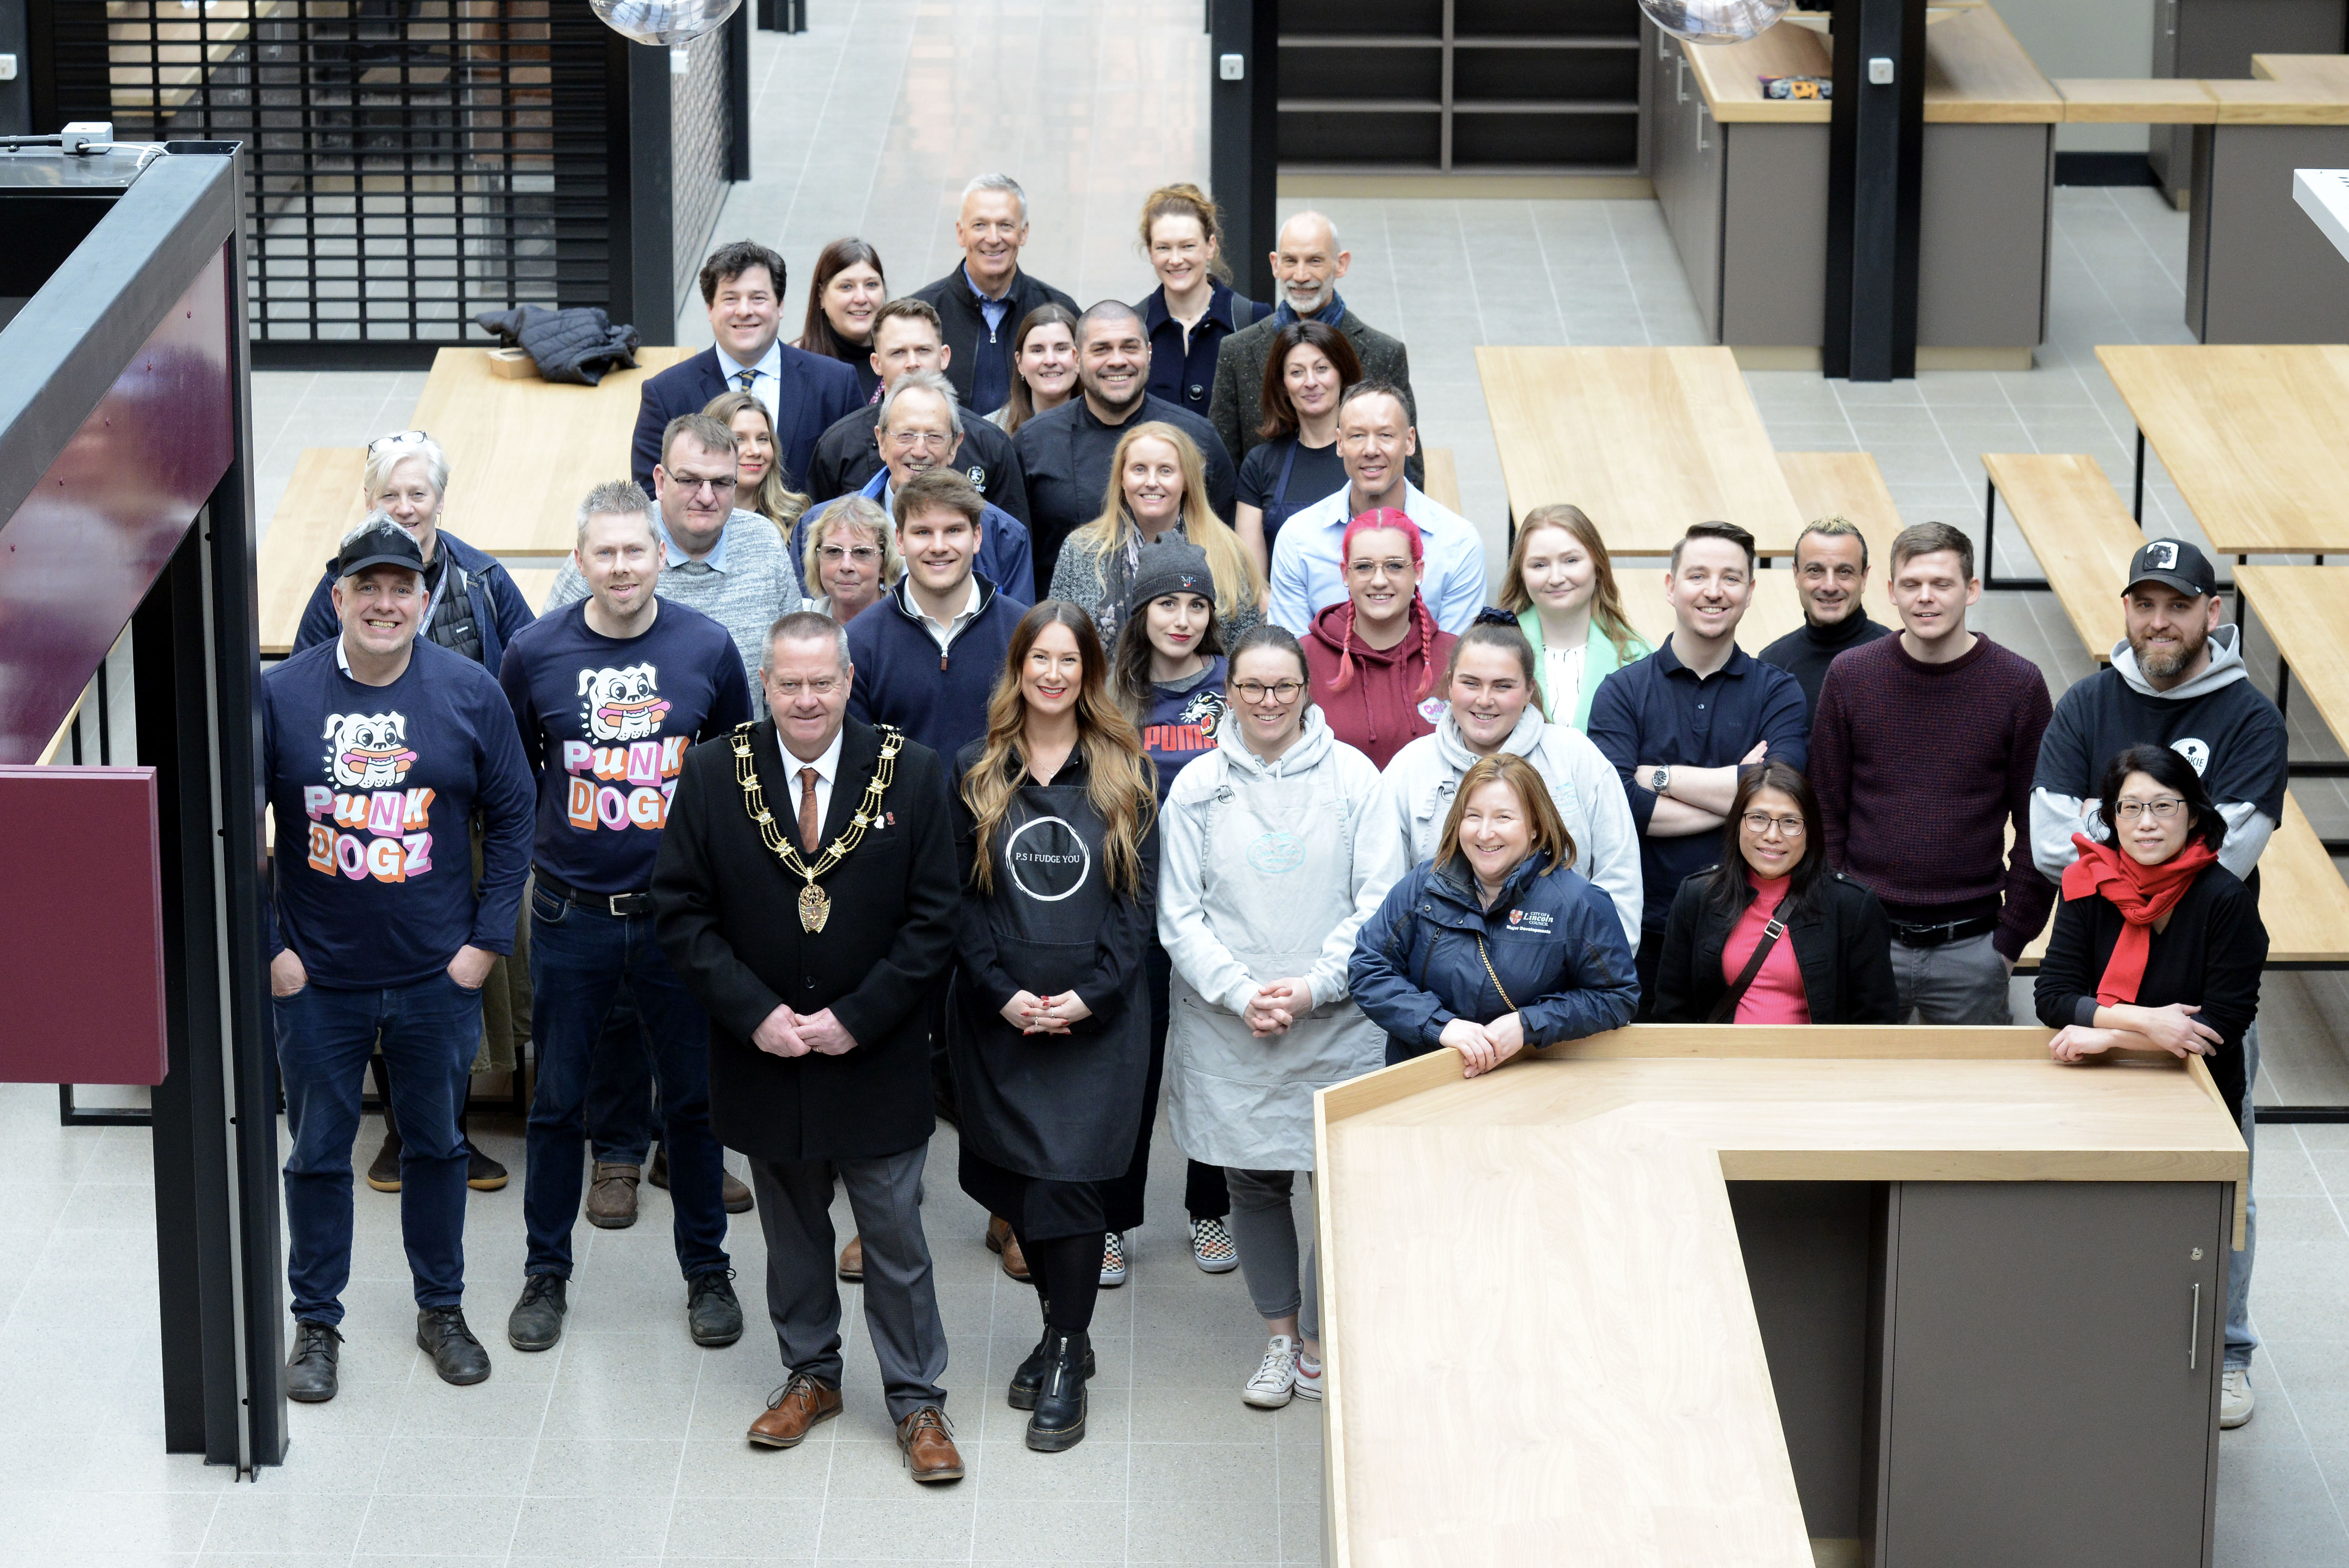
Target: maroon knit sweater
<point>1919,768</point>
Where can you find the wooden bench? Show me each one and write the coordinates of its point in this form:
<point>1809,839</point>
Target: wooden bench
<point>2075,523</point>
<point>320,505</point>
<point>2097,101</point>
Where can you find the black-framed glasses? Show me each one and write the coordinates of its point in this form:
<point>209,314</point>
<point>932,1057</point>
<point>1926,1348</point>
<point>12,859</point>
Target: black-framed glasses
<point>1490,617</point>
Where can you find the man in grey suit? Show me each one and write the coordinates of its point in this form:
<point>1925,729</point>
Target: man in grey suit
<point>1307,262</point>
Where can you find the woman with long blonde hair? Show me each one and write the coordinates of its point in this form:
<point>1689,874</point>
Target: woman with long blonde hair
<point>1561,588</point>
<point>1055,817</point>
<point>1157,489</point>
<point>758,475</point>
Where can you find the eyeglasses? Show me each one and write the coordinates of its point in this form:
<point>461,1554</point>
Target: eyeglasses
<point>834,555</point>
<point>1759,824</point>
<point>1368,569</point>
<point>1284,692</point>
<point>692,486</point>
<point>928,440</point>
<point>397,438</point>
<point>1489,616</point>
<point>2164,809</point>
<point>821,687</point>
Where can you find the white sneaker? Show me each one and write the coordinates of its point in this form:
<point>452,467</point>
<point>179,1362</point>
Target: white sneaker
<point>2235,1396</point>
<point>1211,1244</point>
<point>1276,1374</point>
<point>1112,1273</point>
<point>1309,1379</point>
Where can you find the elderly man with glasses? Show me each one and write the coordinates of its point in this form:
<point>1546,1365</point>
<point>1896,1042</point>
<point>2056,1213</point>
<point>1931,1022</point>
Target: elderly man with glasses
<point>726,562</point>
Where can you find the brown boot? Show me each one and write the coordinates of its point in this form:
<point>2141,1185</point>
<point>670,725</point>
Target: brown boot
<point>737,1194</point>
<point>927,1444</point>
<point>792,1409</point>
<point>852,1260</point>
<point>612,1198</point>
<point>999,1239</point>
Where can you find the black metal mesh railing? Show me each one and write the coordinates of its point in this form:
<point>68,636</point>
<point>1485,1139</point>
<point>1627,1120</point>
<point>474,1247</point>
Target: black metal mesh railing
<point>414,162</point>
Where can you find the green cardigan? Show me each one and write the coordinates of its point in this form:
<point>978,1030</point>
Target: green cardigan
<point>1600,660</point>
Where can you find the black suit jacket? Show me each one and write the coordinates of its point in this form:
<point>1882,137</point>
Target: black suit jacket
<point>728,920</point>
<point>849,453</point>
<point>815,392</point>
<point>1842,945</point>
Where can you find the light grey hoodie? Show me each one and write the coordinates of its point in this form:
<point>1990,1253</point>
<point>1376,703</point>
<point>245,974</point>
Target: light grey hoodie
<point>2056,814</point>
<point>1417,789</point>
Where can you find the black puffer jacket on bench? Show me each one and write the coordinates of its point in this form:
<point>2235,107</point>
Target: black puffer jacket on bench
<point>576,345</point>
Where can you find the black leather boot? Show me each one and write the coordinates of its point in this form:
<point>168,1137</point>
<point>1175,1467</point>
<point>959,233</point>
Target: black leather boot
<point>1030,1375</point>
<point>1059,1421</point>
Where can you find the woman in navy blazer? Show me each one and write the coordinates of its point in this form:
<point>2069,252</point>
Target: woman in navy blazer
<point>1495,945</point>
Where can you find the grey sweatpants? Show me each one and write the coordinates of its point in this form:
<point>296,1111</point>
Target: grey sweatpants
<point>1264,1233</point>
<point>901,1300</point>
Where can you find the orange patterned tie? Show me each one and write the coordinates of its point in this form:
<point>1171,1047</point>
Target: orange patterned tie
<point>809,826</point>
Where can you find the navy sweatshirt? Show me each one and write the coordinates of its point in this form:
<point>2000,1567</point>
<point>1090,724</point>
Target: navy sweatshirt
<point>375,789</point>
<point>937,697</point>
<point>605,722</point>
<point>1181,722</point>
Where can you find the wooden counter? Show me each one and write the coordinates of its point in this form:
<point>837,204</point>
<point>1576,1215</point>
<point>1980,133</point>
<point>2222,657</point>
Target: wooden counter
<point>1975,72</point>
<point>1596,1308</point>
<point>2127,101</point>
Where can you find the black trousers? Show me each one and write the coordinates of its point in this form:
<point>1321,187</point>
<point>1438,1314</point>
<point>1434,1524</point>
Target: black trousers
<point>1205,1195</point>
<point>1647,961</point>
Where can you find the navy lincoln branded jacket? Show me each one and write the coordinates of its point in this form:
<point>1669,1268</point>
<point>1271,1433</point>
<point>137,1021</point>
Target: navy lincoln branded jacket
<point>1555,944</point>
<point>815,392</point>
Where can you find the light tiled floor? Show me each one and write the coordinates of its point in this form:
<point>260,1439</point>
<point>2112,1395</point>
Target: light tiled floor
<point>623,1447</point>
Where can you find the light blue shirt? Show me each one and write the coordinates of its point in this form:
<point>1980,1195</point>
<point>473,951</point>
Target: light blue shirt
<point>675,555</point>
<point>766,377</point>
<point>1307,575</point>
<point>995,310</point>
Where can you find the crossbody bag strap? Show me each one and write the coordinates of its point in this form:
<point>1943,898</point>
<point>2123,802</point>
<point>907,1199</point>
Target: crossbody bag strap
<point>1727,1008</point>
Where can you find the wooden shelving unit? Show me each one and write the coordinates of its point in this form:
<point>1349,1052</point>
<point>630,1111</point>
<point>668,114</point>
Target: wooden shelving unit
<point>1460,87</point>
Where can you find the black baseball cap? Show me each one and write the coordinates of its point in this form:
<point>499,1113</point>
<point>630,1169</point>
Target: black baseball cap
<point>2173,563</point>
<point>378,544</point>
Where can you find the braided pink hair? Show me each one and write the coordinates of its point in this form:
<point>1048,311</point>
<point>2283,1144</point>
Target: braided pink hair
<point>1379,519</point>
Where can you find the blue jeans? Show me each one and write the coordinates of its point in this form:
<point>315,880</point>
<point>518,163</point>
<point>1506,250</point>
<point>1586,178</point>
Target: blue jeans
<point>578,959</point>
<point>430,1032</point>
<point>620,1088</point>
<point>2241,1340</point>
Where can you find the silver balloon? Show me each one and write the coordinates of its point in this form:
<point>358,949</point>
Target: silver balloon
<point>1709,21</point>
<point>670,22</point>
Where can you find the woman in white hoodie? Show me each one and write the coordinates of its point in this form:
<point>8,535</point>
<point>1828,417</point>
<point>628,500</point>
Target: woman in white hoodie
<point>1494,697</point>
<point>1272,853</point>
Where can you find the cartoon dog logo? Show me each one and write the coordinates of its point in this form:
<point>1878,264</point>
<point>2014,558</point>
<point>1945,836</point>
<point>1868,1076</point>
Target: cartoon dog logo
<point>369,749</point>
<point>623,704</point>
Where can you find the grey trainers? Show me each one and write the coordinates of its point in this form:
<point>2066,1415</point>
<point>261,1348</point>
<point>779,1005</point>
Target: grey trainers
<point>536,1321</point>
<point>310,1371</point>
<point>2234,1397</point>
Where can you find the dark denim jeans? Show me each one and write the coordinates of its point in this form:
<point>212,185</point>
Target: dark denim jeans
<point>620,1115</point>
<point>578,960</point>
<point>430,1032</point>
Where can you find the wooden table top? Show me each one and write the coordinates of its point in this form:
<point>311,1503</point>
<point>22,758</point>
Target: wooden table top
<point>522,454</point>
<point>2099,101</point>
<point>1561,1231</point>
<point>2320,73</point>
<point>321,504</point>
<point>2252,434</point>
<point>1975,71</point>
<point>2299,606</point>
<point>1645,440</point>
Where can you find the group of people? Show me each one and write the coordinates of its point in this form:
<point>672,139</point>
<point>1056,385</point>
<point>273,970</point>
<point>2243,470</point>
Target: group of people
<point>812,823</point>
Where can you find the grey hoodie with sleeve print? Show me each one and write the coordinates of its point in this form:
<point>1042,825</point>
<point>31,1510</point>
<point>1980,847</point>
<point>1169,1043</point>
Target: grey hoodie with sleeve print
<point>2218,721</point>
<point>1416,793</point>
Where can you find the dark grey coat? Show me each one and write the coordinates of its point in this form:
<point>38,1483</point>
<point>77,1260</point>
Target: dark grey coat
<point>1237,406</point>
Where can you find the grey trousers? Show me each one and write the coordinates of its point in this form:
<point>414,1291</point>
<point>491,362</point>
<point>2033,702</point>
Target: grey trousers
<point>1264,1233</point>
<point>901,1300</point>
<point>1956,983</point>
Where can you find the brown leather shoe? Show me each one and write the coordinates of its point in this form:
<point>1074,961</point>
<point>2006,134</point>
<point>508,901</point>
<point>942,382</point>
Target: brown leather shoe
<point>852,1260</point>
<point>734,1192</point>
<point>999,1239</point>
<point>927,1442</point>
<point>737,1194</point>
<point>792,1409</point>
<point>612,1200</point>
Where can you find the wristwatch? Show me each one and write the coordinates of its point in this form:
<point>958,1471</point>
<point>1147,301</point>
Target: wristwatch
<point>1659,779</point>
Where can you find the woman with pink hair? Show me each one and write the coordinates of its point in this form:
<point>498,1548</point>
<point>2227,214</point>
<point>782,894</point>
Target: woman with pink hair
<point>1376,657</point>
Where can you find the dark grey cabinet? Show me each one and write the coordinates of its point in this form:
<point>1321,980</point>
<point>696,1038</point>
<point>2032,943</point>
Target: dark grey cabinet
<point>2218,39</point>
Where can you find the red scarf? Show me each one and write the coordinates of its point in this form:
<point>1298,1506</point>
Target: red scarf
<point>2142,893</point>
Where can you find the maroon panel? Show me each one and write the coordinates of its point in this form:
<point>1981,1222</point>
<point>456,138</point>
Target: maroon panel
<point>82,926</point>
<point>80,554</point>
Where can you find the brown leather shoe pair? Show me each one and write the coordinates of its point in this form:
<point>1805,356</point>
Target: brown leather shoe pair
<point>792,1409</point>
<point>927,1442</point>
<point>852,1260</point>
<point>612,1197</point>
<point>999,1239</point>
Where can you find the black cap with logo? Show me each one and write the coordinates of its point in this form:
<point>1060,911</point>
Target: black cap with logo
<point>380,543</point>
<point>2173,563</point>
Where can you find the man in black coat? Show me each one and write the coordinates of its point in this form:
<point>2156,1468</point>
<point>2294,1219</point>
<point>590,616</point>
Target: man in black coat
<point>983,301</point>
<point>819,1060</point>
<point>1064,454</point>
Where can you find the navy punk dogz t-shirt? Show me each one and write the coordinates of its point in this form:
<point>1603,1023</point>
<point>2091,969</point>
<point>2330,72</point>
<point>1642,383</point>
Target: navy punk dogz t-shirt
<point>606,723</point>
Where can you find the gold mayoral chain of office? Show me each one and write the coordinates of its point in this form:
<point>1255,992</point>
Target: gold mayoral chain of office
<point>816,904</point>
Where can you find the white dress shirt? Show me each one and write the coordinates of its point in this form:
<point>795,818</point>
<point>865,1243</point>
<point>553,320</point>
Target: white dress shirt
<point>827,769</point>
<point>766,377</point>
<point>944,634</point>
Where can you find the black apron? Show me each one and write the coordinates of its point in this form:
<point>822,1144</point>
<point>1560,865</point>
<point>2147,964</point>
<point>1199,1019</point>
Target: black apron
<point>1059,1108</point>
<point>1278,507</point>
